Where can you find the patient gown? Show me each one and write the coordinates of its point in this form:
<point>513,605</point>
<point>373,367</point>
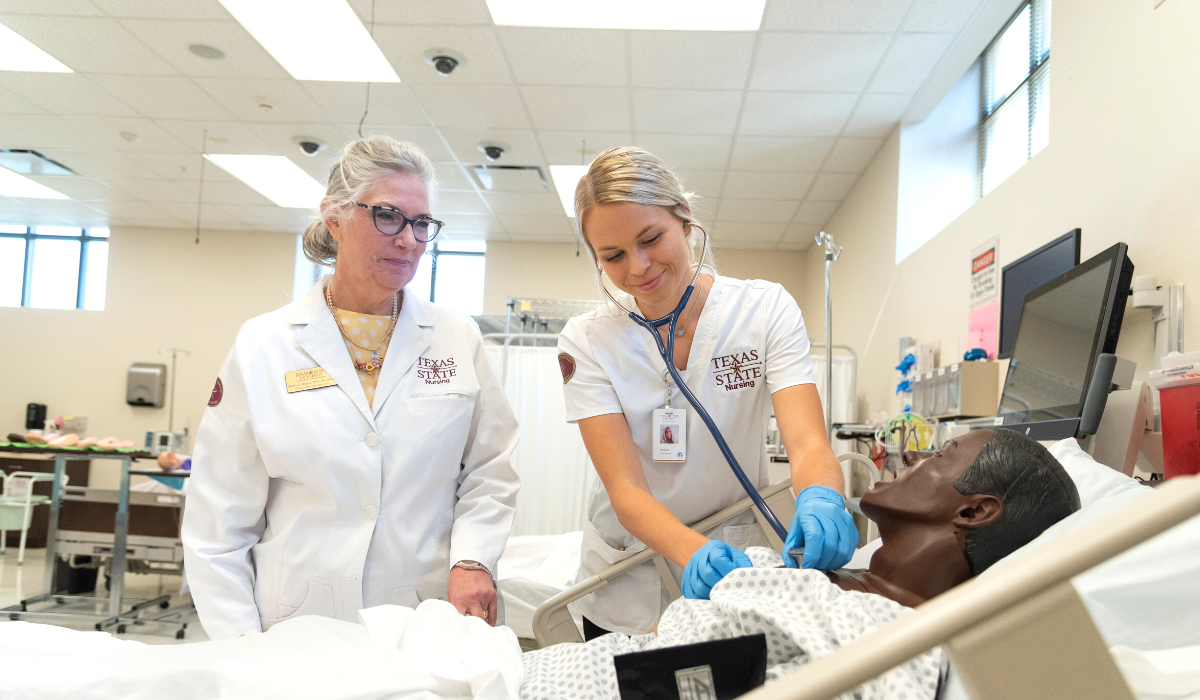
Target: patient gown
<point>803,615</point>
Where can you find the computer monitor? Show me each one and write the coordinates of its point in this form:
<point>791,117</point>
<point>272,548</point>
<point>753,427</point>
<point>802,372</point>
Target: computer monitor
<point>1022,276</point>
<point>1065,324</point>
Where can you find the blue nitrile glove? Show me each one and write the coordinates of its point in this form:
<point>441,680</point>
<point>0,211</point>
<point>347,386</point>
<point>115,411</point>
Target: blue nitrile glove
<point>709,565</point>
<point>824,528</point>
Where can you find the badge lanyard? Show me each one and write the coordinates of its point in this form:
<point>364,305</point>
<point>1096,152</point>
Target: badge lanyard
<point>669,432</point>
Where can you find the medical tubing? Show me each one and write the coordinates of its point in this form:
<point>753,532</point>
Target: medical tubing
<point>668,352</point>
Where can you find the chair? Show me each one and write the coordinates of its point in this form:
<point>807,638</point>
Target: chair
<point>16,506</point>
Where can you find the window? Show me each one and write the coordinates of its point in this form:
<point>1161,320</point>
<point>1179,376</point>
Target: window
<point>53,267</point>
<point>1014,95</point>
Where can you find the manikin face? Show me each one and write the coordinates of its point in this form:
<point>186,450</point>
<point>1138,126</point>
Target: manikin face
<point>924,488</point>
<point>368,256</point>
<point>643,249</point>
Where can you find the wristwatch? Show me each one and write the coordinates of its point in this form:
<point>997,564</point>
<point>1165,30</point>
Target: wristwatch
<point>471,565</point>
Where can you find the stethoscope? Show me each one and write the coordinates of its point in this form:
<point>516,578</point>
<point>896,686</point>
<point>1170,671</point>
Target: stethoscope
<point>667,351</point>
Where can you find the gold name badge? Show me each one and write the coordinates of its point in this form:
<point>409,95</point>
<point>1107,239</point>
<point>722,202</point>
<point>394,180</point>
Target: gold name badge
<point>305,379</point>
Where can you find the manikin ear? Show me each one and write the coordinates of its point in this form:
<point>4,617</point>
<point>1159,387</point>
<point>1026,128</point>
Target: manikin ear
<point>978,510</point>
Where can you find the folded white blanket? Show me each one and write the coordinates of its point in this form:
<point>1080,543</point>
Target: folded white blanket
<point>803,615</point>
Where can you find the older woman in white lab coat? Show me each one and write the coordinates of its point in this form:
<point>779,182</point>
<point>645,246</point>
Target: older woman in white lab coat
<point>356,449</point>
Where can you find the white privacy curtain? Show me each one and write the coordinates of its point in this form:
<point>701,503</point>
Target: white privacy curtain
<point>844,404</point>
<point>556,473</point>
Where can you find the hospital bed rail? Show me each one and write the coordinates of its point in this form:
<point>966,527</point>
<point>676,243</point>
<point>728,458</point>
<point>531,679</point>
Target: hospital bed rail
<point>552,622</point>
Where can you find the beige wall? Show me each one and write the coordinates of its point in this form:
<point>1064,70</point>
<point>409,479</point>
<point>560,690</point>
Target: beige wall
<point>163,291</point>
<point>552,271</point>
<point>1123,164</point>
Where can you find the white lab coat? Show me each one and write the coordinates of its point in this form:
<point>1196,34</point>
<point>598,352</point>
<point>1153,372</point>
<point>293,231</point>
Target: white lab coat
<point>750,342</point>
<point>314,502</point>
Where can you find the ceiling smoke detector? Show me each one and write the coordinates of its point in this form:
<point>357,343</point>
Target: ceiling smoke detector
<point>444,61</point>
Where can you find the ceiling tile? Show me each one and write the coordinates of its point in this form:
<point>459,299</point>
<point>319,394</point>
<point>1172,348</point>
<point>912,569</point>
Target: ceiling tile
<point>212,218</point>
<point>796,114</point>
<point>65,94</point>
<point>89,44</point>
<point>104,165</point>
<point>767,185</point>
<point>815,213</point>
<point>78,8</point>
<point>852,155</point>
<point>910,61</point>
<point>588,57</point>
<point>778,154</point>
<point>47,134</point>
<point>877,114</point>
<point>525,203</point>
<point>686,152</point>
<point>521,146</point>
<point>426,139</point>
<point>820,62</point>
<point>405,47</point>
<point>423,12</point>
<point>170,39</point>
<point>832,187</point>
<point>704,183</point>
<point>148,136</point>
<point>598,108</point>
<point>223,137</point>
<point>230,193</point>
<point>67,211</point>
<point>940,15</point>
<point>472,224</point>
<point>451,177</point>
<point>455,202</point>
<point>730,234</point>
<point>835,15</point>
<point>140,211</point>
<point>799,236</point>
<point>757,210</point>
<point>155,190</point>
<point>578,147</point>
<point>157,9</point>
<point>12,103</point>
<point>272,218</point>
<point>177,166</point>
<point>517,226</point>
<point>391,103</point>
<point>163,97</point>
<point>473,106</point>
<point>686,111</point>
<point>709,60</point>
<point>244,97</point>
<point>84,189</point>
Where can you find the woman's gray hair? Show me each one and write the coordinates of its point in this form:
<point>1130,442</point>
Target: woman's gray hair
<point>362,165</point>
<point>632,174</point>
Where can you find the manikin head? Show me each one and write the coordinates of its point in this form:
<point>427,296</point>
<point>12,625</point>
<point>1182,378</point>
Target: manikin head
<point>984,494</point>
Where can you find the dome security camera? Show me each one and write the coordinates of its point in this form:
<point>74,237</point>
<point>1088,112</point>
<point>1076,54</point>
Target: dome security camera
<point>444,61</point>
<point>445,65</point>
<point>492,150</point>
<point>310,144</point>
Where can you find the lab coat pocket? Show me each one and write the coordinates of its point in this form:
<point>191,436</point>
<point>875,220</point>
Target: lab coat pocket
<point>629,603</point>
<point>405,596</point>
<point>318,601</point>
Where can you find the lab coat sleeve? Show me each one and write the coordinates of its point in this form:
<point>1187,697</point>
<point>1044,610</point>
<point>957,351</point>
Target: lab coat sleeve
<point>787,362</point>
<point>488,484</point>
<point>224,516</point>
<point>587,390</point>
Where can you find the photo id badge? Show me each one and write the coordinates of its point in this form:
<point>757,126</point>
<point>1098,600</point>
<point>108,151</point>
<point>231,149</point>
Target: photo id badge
<point>670,435</point>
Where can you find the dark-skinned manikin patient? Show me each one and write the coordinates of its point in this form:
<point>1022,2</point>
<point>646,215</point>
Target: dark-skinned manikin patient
<point>948,516</point>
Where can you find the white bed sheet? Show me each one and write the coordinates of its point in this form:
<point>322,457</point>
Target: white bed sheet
<point>534,569</point>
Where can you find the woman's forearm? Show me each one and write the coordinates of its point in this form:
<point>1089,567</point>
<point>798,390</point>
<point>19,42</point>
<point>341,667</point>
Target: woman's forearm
<point>650,521</point>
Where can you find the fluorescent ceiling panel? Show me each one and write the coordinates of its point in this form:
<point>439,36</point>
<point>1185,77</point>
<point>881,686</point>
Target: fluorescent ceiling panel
<point>683,15</point>
<point>314,39</point>
<point>18,53</point>
<point>274,177</point>
<point>566,177</point>
<point>14,185</point>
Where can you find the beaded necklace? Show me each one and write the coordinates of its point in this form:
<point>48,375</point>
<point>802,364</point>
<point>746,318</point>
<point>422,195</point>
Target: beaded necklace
<point>376,362</point>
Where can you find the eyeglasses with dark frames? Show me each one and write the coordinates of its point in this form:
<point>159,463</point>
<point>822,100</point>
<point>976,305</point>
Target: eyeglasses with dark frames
<point>390,221</point>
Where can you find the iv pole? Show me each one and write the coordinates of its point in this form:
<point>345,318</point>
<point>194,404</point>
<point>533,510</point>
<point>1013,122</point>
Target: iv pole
<point>831,253</point>
<point>171,412</point>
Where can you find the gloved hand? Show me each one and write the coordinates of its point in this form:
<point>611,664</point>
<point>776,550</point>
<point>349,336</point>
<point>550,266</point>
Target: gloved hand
<point>709,565</point>
<point>824,528</point>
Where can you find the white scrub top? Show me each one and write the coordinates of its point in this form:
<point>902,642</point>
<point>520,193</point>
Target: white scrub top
<point>315,502</point>
<point>750,342</point>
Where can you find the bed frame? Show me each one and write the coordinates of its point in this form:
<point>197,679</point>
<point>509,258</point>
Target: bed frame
<point>1023,633</point>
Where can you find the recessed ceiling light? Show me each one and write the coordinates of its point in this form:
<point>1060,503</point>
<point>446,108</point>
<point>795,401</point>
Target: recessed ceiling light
<point>314,39</point>
<point>18,53</point>
<point>14,185</point>
<point>274,177</point>
<point>209,52</point>
<point>689,15</point>
<point>566,177</point>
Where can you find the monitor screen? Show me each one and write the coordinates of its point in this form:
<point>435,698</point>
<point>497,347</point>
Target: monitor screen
<point>1065,324</point>
<point>1022,276</point>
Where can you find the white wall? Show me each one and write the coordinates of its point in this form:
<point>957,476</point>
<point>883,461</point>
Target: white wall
<point>163,291</point>
<point>1123,164</point>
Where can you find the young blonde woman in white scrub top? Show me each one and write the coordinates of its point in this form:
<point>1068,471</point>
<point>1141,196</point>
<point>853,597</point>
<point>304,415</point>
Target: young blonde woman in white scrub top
<point>743,343</point>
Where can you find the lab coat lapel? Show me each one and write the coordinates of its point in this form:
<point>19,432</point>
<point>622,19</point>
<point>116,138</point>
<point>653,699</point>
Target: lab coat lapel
<point>413,335</point>
<point>322,340</point>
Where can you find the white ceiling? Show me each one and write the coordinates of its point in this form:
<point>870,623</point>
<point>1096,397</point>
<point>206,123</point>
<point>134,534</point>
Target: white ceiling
<point>771,128</point>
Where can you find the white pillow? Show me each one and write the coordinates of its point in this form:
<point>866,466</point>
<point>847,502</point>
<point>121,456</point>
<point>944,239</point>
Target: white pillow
<point>1093,480</point>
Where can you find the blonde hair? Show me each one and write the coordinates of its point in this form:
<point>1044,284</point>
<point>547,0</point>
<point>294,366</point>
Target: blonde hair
<point>631,174</point>
<point>362,165</point>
